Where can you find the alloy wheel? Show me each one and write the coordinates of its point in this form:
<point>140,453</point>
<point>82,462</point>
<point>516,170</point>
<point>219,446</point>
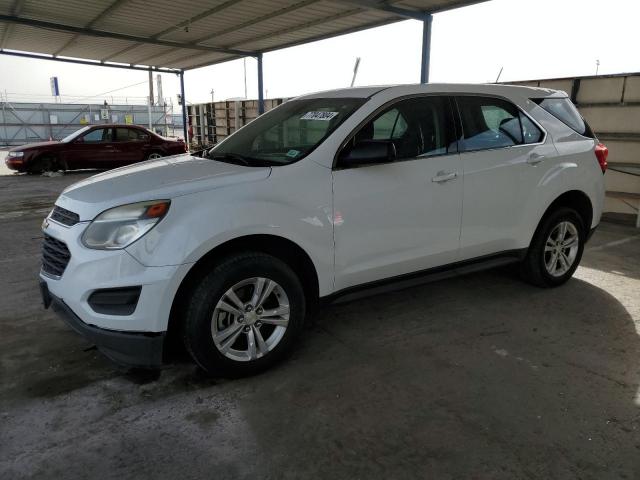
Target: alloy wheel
<point>250,319</point>
<point>561,248</point>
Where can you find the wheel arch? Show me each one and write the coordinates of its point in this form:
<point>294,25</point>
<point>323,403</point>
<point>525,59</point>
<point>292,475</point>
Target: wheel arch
<point>56,158</point>
<point>282,248</point>
<point>577,200</point>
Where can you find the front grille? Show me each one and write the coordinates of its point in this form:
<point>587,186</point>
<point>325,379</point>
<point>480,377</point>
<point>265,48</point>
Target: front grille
<point>55,256</point>
<point>64,216</point>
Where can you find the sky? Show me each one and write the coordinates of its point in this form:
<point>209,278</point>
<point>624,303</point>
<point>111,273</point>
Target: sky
<point>530,39</point>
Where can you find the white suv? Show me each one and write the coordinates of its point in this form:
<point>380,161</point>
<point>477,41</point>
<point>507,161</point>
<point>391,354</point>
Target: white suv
<point>328,195</point>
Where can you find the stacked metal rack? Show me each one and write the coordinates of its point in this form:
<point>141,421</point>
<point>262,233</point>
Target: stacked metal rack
<point>212,122</point>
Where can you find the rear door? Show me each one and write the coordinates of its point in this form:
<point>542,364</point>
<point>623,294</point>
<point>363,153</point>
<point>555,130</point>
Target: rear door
<point>402,217</point>
<point>131,145</point>
<point>504,160</point>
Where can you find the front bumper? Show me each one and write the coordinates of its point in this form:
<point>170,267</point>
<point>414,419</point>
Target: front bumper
<point>133,335</point>
<point>16,164</point>
<point>133,349</point>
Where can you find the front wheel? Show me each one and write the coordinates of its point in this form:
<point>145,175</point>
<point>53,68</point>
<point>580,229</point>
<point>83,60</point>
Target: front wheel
<point>154,156</point>
<point>244,315</point>
<point>41,165</point>
<point>556,249</point>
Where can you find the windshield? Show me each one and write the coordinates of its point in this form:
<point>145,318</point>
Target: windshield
<point>75,134</point>
<point>287,133</point>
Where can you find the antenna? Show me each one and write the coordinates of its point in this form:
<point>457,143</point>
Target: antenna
<point>499,74</point>
<point>355,70</point>
<point>597,66</point>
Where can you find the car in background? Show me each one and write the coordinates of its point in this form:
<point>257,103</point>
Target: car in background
<point>97,146</point>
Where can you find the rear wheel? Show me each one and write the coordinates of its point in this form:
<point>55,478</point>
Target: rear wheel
<point>244,315</point>
<point>154,156</point>
<point>556,249</point>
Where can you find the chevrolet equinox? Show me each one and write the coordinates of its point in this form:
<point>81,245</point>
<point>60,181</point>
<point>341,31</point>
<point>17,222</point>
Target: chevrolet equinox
<point>327,196</point>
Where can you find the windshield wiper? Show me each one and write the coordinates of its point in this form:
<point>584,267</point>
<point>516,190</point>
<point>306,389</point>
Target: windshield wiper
<point>230,158</point>
<point>238,159</point>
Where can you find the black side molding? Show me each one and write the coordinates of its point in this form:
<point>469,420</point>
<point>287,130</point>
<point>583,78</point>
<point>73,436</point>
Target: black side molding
<point>426,276</point>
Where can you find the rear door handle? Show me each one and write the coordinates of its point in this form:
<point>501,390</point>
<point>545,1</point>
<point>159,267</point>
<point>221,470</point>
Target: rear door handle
<point>535,158</point>
<point>442,177</point>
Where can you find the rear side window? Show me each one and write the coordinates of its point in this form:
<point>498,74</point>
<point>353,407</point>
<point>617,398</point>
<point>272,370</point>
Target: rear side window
<point>565,111</point>
<point>128,134</point>
<point>490,123</point>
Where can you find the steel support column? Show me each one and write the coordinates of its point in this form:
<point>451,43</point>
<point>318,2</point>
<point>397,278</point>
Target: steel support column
<point>185,122</point>
<point>426,48</point>
<point>260,85</point>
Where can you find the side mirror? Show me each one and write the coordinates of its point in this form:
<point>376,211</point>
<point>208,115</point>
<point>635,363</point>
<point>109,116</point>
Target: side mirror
<point>368,152</point>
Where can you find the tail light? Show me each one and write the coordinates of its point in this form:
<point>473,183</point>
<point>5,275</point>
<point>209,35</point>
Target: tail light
<point>602,152</point>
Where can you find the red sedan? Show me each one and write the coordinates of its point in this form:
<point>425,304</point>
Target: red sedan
<point>99,146</point>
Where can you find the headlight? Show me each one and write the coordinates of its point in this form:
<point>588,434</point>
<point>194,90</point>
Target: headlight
<point>121,226</point>
<point>16,154</point>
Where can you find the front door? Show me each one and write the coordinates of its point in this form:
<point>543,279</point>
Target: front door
<point>94,149</point>
<point>402,217</point>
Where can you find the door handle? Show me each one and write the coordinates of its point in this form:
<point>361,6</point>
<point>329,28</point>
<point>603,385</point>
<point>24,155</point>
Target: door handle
<point>535,158</point>
<point>442,177</point>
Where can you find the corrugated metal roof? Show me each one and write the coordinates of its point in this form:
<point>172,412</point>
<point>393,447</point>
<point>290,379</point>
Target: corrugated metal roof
<point>189,33</point>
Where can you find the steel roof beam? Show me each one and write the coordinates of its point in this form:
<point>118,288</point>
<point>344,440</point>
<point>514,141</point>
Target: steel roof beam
<point>277,13</point>
<point>196,18</point>
<point>385,7</point>
<point>92,23</point>
<point>16,8</point>
<point>39,56</point>
<point>185,23</point>
<point>13,19</point>
<point>301,26</point>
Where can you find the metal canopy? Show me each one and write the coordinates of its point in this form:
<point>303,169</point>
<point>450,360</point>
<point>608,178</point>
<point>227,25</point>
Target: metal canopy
<point>165,34</point>
<point>171,36</point>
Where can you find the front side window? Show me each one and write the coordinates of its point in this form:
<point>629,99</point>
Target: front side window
<point>390,124</point>
<point>489,123</point>
<point>99,135</point>
<point>74,135</point>
<point>418,127</point>
<point>287,133</point>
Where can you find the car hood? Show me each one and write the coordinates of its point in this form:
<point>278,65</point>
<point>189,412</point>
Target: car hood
<point>32,146</point>
<point>165,178</point>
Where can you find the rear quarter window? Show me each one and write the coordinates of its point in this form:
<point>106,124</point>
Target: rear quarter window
<point>565,111</point>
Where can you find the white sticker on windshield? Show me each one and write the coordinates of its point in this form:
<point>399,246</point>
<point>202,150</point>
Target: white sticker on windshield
<point>326,116</point>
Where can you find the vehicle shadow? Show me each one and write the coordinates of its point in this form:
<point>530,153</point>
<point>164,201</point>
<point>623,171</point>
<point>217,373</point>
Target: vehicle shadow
<point>481,376</point>
<point>474,377</point>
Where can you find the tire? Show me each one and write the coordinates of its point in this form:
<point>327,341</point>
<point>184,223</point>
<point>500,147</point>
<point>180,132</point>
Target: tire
<point>539,267</point>
<point>154,156</point>
<point>231,354</point>
<point>41,165</point>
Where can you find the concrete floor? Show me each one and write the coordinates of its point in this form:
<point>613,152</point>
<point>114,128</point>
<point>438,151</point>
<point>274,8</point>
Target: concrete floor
<point>475,377</point>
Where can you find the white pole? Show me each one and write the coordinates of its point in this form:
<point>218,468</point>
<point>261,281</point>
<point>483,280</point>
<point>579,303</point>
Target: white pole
<point>245,78</point>
<point>149,110</point>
